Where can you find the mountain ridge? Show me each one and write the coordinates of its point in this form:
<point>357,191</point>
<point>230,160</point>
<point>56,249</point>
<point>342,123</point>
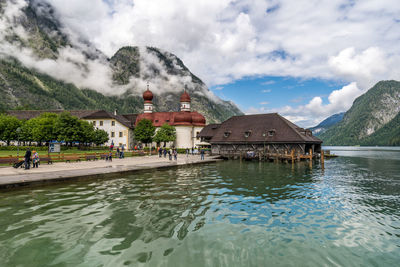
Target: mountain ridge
<point>373,119</point>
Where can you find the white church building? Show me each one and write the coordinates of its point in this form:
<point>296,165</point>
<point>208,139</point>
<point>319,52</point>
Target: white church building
<point>187,123</point>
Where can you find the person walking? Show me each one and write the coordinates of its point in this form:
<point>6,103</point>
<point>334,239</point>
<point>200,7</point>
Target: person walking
<point>27,157</point>
<point>160,152</point>
<point>117,154</point>
<point>192,151</point>
<point>187,152</point>
<point>175,154</point>
<point>122,153</point>
<point>202,154</point>
<point>170,154</point>
<point>165,152</point>
<point>35,159</point>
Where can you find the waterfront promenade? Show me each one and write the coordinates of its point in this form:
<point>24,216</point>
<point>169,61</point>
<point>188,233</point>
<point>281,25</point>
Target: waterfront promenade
<point>10,177</point>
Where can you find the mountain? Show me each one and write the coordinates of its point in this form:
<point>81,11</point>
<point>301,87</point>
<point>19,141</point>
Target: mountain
<point>327,123</point>
<point>44,65</point>
<point>373,119</point>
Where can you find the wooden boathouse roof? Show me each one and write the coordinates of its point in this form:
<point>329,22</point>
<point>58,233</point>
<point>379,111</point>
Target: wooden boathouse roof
<point>259,128</point>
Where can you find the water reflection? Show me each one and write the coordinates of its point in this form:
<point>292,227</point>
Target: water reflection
<point>231,213</point>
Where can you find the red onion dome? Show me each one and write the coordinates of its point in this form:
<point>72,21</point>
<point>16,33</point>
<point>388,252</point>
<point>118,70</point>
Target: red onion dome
<point>183,117</point>
<point>197,118</point>
<point>148,96</point>
<point>185,97</point>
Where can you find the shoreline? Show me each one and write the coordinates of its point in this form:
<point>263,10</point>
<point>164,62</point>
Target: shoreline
<point>11,178</point>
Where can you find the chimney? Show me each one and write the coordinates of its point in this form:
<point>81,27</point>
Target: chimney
<point>115,112</point>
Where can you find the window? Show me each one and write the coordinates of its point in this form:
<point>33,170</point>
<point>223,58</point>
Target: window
<point>227,133</point>
<point>271,132</point>
<point>112,123</point>
<point>120,134</point>
<point>247,133</point>
<point>101,123</point>
<point>197,135</point>
<point>94,123</point>
<point>112,134</point>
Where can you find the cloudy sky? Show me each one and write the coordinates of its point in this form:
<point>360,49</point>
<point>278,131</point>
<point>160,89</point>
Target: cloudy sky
<point>306,59</point>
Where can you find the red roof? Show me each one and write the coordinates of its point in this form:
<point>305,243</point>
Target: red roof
<point>173,118</point>
<point>185,97</point>
<point>147,96</point>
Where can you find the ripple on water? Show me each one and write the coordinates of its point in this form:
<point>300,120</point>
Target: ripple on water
<point>229,213</point>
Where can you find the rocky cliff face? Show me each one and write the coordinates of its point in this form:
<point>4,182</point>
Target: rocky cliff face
<point>372,120</point>
<point>44,66</point>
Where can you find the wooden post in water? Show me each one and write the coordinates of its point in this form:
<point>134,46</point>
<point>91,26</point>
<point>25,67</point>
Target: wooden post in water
<point>292,155</point>
<point>322,159</point>
<point>311,155</point>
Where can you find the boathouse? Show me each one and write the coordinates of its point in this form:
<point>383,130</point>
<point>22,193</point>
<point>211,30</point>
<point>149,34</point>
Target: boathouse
<point>260,135</point>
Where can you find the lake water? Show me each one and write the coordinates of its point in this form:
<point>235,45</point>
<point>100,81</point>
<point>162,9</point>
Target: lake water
<point>225,214</point>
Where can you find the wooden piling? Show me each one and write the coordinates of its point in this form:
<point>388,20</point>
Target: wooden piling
<point>322,159</point>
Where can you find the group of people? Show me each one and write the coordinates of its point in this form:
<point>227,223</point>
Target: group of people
<point>31,156</point>
<point>172,152</point>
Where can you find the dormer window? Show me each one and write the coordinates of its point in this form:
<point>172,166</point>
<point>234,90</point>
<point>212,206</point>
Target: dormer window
<point>247,133</point>
<point>271,132</point>
<point>227,133</point>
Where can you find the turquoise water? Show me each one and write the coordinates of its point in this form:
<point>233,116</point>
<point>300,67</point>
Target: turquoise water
<point>225,214</point>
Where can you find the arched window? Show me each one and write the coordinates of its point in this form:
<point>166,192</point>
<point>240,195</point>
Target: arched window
<point>247,133</point>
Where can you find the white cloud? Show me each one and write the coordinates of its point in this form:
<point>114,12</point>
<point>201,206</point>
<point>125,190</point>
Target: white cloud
<point>264,103</point>
<point>315,110</point>
<point>268,82</point>
<point>222,41</point>
<point>266,91</point>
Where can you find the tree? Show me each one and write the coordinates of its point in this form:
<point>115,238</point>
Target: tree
<point>167,133</point>
<point>144,131</point>
<point>68,128</point>
<point>100,137</point>
<point>42,128</point>
<point>8,128</point>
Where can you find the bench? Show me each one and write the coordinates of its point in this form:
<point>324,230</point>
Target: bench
<point>69,158</point>
<point>46,159</point>
<point>8,160</point>
<point>90,157</point>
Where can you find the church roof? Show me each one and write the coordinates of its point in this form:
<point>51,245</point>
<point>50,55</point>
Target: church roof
<point>269,128</point>
<point>172,118</point>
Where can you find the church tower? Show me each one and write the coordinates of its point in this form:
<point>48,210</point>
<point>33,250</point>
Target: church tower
<point>185,101</point>
<point>148,98</point>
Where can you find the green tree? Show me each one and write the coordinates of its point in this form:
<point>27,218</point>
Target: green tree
<point>144,131</point>
<point>167,133</point>
<point>8,128</point>
<point>100,137</point>
<point>42,128</point>
<point>68,128</point>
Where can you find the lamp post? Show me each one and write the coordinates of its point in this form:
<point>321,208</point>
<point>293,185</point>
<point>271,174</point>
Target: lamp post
<point>18,132</point>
